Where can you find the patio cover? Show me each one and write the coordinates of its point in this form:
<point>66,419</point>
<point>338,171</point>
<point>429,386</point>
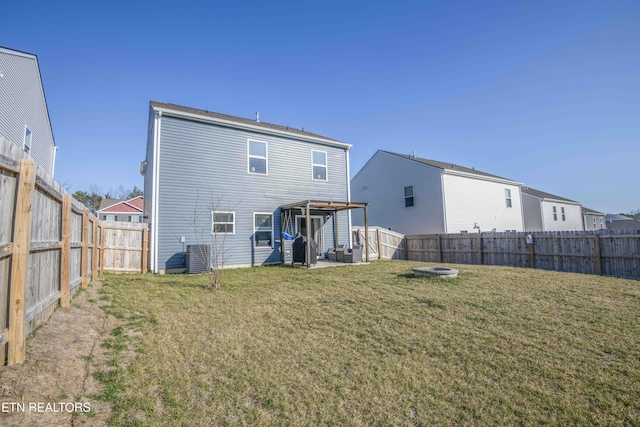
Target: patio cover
<point>329,206</point>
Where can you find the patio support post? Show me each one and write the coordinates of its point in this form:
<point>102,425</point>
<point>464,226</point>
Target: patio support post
<point>308,215</point>
<point>335,228</point>
<point>366,232</point>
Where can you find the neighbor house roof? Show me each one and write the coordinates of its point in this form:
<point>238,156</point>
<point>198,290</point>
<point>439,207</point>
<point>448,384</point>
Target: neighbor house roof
<point>134,205</point>
<point>591,211</point>
<point>542,195</point>
<point>449,166</point>
<point>624,224</point>
<point>243,122</point>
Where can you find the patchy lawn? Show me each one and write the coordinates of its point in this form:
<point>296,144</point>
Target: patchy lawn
<point>371,345</point>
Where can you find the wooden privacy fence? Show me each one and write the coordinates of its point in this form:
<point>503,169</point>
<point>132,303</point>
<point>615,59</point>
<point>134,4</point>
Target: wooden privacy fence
<point>613,253</point>
<point>50,245</point>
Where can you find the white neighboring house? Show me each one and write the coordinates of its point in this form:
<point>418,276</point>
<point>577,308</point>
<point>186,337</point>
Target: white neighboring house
<point>548,212</point>
<point>121,210</point>
<point>413,195</point>
<point>593,220</point>
<point>24,117</point>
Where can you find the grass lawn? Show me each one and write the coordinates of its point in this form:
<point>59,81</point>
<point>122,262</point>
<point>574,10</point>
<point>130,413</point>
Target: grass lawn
<point>371,345</point>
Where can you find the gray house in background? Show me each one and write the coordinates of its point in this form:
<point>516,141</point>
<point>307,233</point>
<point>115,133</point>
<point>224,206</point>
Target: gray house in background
<point>593,220</point>
<point>24,117</point>
<point>413,195</point>
<point>216,179</point>
<point>548,212</point>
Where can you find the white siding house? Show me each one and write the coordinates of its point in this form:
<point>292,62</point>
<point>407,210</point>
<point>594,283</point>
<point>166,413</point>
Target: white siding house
<point>412,195</point>
<point>548,212</point>
<point>24,117</point>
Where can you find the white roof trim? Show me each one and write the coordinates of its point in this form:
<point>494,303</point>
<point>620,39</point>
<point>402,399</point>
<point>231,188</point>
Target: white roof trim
<point>261,129</point>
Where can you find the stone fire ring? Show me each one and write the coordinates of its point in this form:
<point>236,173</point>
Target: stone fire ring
<point>442,272</point>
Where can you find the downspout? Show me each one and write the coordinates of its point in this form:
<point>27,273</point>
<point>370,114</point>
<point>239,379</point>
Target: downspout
<point>348,200</point>
<point>444,205</point>
<point>53,164</point>
<point>156,179</point>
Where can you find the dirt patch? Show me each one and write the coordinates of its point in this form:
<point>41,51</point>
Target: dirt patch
<point>56,378</point>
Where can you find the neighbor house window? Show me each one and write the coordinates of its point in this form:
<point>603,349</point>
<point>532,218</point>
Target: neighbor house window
<point>601,223</point>
<point>263,230</point>
<point>319,165</point>
<point>555,213</point>
<point>408,196</point>
<point>27,139</point>
<point>257,153</point>
<point>594,222</point>
<point>134,218</point>
<point>223,222</point>
<point>562,211</point>
<point>110,217</point>
<point>507,195</point>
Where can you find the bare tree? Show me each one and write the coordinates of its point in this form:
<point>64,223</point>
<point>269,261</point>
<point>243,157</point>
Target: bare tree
<point>214,236</point>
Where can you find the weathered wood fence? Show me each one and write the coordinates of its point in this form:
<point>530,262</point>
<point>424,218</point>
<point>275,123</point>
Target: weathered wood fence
<point>50,246</point>
<point>613,253</point>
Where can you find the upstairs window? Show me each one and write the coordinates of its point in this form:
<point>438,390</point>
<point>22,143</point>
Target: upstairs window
<point>110,217</point>
<point>263,230</point>
<point>594,222</point>
<point>319,165</point>
<point>257,157</point>
<point>27,139</point>
<point>223,222</point>
<point>563,216</point>
<point>601,223</point>
<point>134,218</point>
<point>408,196</point>
<point>507,195</point>
<point>555,213</point>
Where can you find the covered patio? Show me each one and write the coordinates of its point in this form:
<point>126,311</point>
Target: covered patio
<point>311,207</point>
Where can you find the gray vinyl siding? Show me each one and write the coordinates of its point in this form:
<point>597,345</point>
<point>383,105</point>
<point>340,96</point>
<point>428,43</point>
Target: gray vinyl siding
<point>201,164</point>
<point>381,183</point>
<point>22,103</point>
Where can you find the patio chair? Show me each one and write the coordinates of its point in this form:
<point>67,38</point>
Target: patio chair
<point>353,255</point>
<point>340,250</point>
<point>332,252</point>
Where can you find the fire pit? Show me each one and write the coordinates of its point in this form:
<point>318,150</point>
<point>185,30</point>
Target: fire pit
<point>442,272</point>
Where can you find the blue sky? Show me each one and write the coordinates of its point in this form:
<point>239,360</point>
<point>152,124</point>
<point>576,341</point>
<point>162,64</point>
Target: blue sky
<point>546,93</point>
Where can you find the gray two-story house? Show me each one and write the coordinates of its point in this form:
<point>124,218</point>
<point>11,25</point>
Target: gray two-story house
<point>221,180</point>
<point>24,117</point>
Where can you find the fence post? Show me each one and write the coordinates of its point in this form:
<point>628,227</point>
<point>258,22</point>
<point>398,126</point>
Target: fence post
<point>20,262</point>
<point>379,244</point>
<point>65,256</point>
<point>479,248</point>
<point>598,260</point>
<point>94,252</point>
<point>145,240</point>
<point>102,245</point>
<point>439,248</point>
<point>405,242</point>
<point>532,257</point>
<point>85,248</point>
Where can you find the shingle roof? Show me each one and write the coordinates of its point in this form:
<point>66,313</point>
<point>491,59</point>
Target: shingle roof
<point>105,203</point>
<point>543,195</point>
<point>591,211</point>
<point>211,114</point>
<point>448,166</point>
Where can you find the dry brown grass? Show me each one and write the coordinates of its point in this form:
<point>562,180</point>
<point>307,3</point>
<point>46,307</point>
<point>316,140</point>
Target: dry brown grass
<point>371,345</point>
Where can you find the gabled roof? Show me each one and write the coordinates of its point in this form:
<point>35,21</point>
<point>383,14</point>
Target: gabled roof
<point>226,119</point>
<point>542,195</point>
<point>450,167</point>
<point>591,211</point>
<point>134,205</point>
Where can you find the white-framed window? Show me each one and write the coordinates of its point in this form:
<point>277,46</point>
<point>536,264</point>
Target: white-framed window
<point>555,213</point>
<point>319,165</point>
<point>223,222</point>
<point>408,197</point>
<point>262,230</point>
<point>507,196</point>
<point>27,139</point>
<point>564,218</point>
<point>594,222</point>
<point>110,217</point>
<point>134,218</point>
<point>601,223</point>
<point>257,157</point>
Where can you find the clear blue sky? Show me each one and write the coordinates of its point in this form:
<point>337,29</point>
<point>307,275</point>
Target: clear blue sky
<point>543,92</point>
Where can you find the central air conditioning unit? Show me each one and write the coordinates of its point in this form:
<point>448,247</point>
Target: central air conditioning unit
<point>198,258</point>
